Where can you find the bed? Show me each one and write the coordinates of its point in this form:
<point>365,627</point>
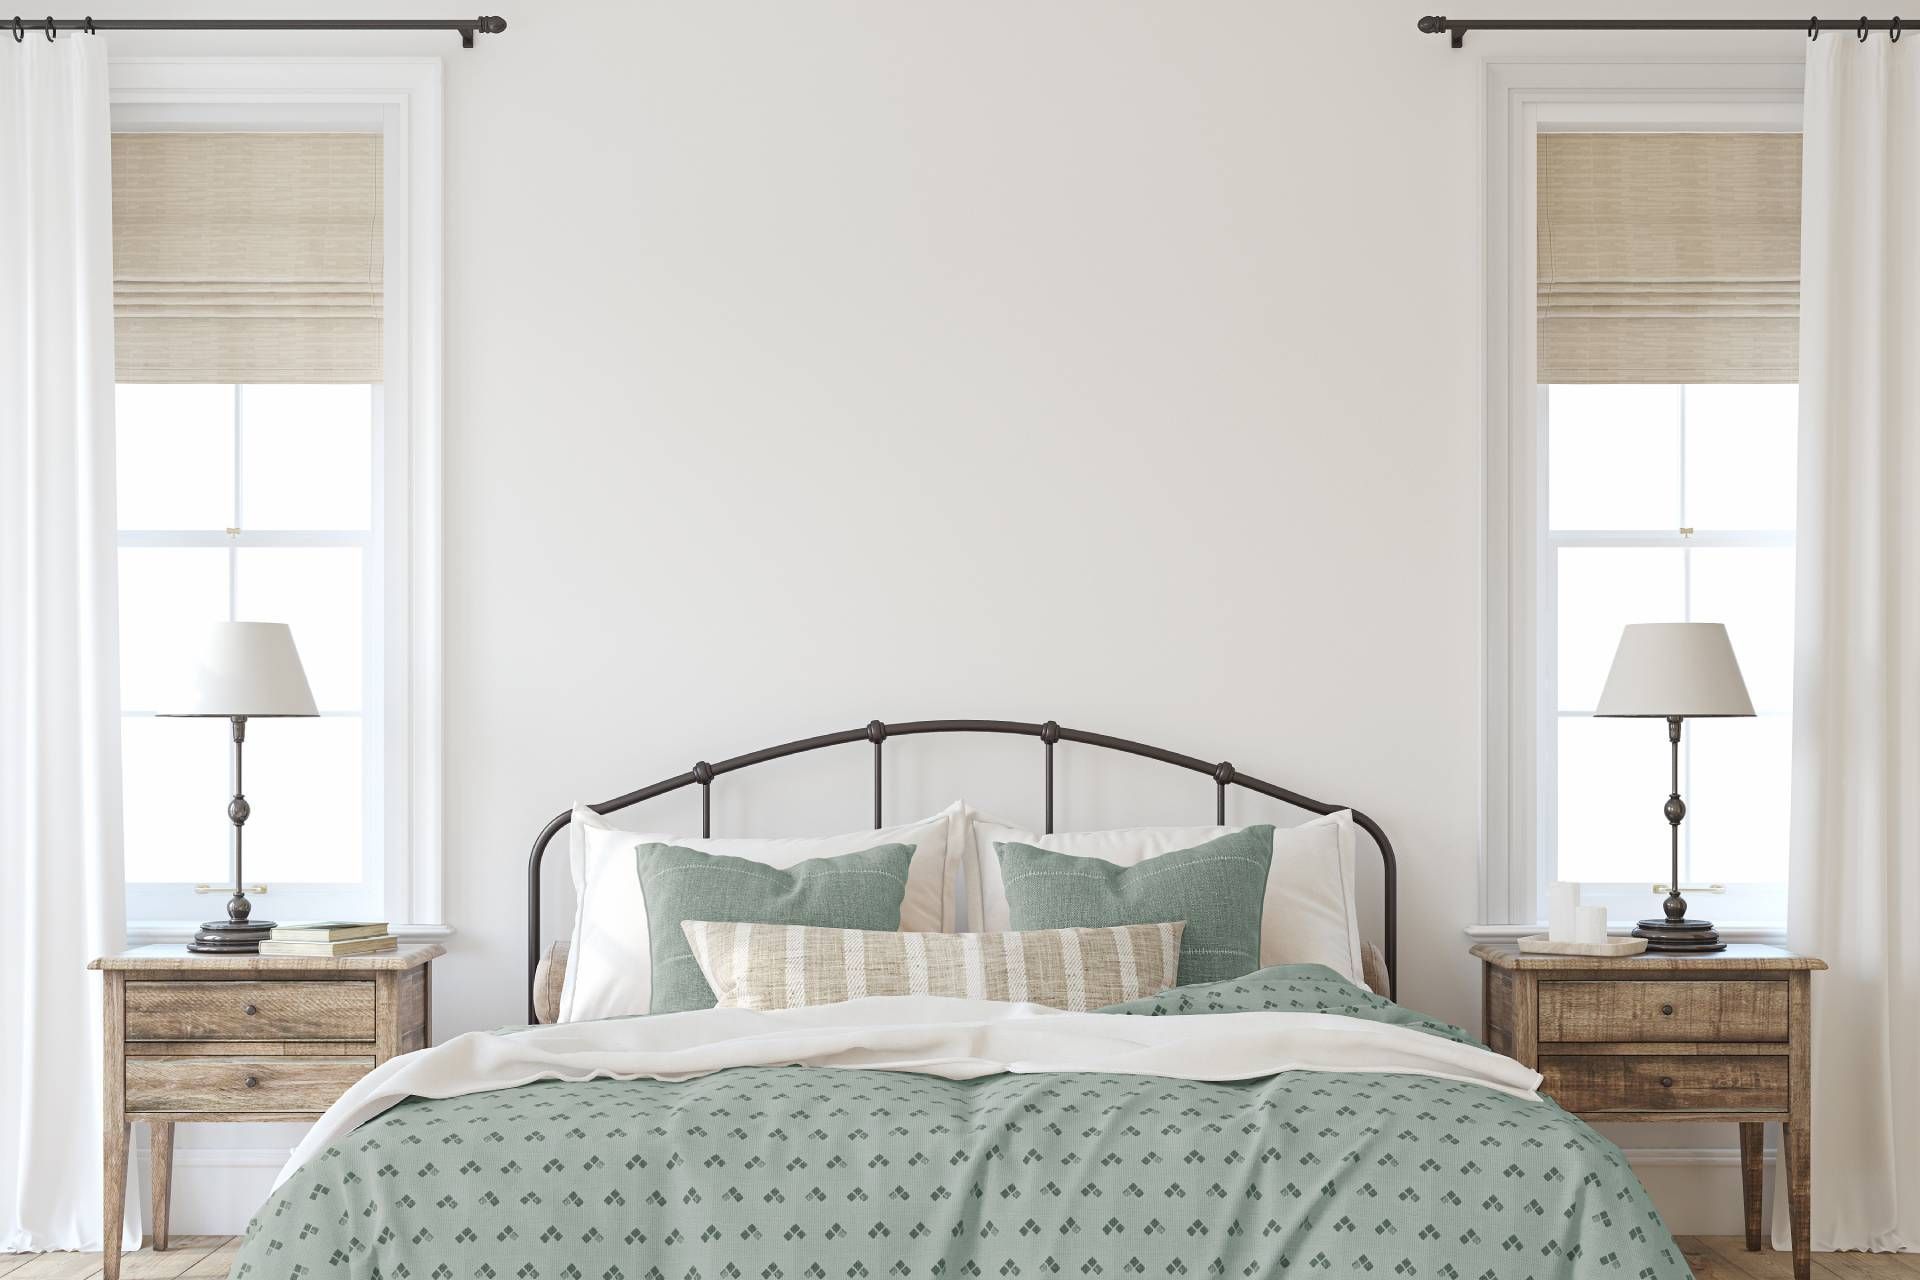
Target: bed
<point>1284,1121</point>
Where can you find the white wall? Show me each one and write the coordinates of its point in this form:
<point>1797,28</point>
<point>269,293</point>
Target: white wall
<point>1104,360</point>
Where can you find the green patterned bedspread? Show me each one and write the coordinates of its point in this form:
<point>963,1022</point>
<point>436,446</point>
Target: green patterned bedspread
<point>796,1173</point>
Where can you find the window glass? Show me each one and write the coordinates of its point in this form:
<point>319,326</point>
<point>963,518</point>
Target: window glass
<point>1606,446</point>
<point>1612,783</point>
<point>1601,589</point>
<point>1740,458</point>
<point>175,777</point>
<point>174,455</point>
<point>316,592</point>
<point>303,777</point>
<point>306,457</point>
<point>167,597</point>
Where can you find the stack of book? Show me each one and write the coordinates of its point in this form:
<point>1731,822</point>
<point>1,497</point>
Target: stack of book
<point>328,938</point>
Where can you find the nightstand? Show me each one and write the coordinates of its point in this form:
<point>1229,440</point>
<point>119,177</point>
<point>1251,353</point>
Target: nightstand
<point>1668,1038</point>
<point>242,1038</point>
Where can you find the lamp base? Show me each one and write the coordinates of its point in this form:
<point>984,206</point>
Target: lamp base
<point>231,937</point>
<point>1695,937</point>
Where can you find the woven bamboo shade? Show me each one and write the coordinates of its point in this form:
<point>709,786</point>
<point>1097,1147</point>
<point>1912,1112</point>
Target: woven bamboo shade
<point>247,257</point>
<point>1669,257</point>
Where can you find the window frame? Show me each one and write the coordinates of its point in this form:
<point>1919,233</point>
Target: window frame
<point>400,98</point>
<point>1524,98</point>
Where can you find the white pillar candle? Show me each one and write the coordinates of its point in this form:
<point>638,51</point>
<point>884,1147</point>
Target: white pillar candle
<point>1590,924</point>
<point>1563,896</point>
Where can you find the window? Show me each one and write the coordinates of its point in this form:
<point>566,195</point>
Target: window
<point>277,344</point>
<point>1642,232</point>
<point>251,502</point>
<point>1667,503</point>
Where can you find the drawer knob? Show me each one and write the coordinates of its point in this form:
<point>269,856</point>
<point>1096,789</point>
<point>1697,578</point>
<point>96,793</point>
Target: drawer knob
<point>1665,1008</point>
<point>1666,1082</point>
<point>253,1082</point>
<point>250,1010</point>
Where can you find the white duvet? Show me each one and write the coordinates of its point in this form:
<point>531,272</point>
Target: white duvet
<point>931,1035</point>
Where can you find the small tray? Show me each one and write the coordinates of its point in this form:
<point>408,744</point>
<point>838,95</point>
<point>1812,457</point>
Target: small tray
<point>1540,944</point>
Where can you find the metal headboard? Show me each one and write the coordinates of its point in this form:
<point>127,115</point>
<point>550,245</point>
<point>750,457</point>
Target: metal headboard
<point>702,773</point>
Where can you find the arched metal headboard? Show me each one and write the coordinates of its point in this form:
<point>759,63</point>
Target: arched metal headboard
<point>703,774</point>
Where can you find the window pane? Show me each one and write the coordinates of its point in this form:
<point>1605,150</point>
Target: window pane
<point>303,780</point>
<point>174,447</point>
<point>1613,784</point>
<point>316,591</point>
<point>306,457</point>
<point>1751,590</point>
<point>1613,457</point>
<point>1741,443</point>
<point>167,597</point>
<point>176,779</point>
<point>1601,590</point>
<point>1737,788</point>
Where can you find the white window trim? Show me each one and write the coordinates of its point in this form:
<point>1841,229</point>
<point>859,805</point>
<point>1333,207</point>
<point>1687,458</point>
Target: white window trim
<point>404,95</point>
<point>1524,98</point>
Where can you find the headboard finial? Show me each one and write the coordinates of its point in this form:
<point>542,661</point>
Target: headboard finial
<point>876,731</point>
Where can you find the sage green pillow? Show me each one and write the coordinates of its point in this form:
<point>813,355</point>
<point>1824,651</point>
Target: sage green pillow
<point>1218,888</point>
<point>852,891</point>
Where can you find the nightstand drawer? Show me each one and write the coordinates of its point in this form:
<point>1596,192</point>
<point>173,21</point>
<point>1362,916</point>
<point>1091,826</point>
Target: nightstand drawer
<point>1601,1083</point>
<point>250,1011</point>
<point>1599,1012</point>
<point>237,1085</point>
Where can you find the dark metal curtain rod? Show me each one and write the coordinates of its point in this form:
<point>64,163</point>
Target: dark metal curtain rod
<point>23,27</point>
<point>1457,28</point>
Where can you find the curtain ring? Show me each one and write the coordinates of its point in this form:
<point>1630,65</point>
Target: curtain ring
<point>19,31</point>
<point>49,28</point>
<point>1861,30</point>
<point>89,26</point>
<point>1813,28</point>
<point>1893,29</point>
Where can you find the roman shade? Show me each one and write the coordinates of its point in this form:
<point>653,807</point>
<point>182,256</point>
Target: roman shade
<point>247,257</point>
<point>1669,257</point>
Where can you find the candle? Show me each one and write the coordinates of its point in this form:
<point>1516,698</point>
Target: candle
<point>1590,924</point>
<point>1563,897</point>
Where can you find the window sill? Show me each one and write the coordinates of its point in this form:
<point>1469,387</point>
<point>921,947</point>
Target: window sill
<point>142,932</point>
<point>1771,934</point>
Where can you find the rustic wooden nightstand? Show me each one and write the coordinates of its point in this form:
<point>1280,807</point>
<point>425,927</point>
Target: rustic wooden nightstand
<point>243,1038</point>
<point>1670,1038</point>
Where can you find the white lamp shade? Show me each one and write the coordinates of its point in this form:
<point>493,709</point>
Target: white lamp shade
<point>1674,669</point>
<point>245,669</point>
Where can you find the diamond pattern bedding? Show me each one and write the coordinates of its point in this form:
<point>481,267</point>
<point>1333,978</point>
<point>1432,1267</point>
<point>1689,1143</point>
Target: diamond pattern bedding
<point>797,1173</point>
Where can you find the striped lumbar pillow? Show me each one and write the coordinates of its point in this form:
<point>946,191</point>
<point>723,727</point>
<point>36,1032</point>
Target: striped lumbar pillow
<point>777,966</point>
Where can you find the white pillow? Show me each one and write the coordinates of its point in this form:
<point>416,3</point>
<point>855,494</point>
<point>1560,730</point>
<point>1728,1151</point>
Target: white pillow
<point>1309,915</point>
<point>610,965</point>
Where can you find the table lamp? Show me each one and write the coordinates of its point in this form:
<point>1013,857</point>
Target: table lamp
<point>243,670</point>
<point>1673,670</point>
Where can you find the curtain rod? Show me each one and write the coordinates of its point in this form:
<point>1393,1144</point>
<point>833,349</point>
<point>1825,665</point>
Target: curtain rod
<point>22,28</point>
<point>1457,28</point>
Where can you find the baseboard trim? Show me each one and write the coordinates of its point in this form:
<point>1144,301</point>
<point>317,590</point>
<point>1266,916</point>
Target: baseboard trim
<point>220,1157</point>
<point>1669,1157</point>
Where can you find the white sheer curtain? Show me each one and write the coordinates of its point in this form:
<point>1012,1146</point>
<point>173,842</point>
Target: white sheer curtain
<point>61,899</point>
<point>1855,879</point>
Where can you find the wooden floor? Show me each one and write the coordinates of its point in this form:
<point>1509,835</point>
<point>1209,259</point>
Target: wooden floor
<point>197,1256</point>
<point>1711,1257</point>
